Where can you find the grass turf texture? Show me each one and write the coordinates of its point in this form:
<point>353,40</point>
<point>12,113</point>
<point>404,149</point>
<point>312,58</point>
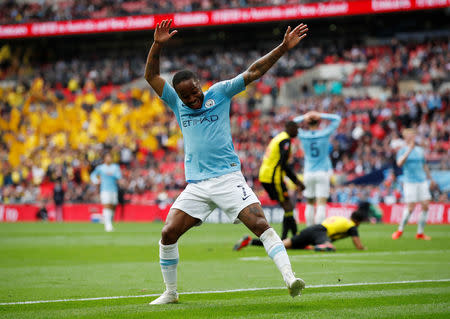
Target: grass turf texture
<point>71,261</point>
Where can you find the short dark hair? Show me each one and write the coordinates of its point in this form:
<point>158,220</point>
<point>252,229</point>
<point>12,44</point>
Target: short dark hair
<point>359,216</point>
<point>313,122</point>
<point>290,124</point>
<point>183,75</point>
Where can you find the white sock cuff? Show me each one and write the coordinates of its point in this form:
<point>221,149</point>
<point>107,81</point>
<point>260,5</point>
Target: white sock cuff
<point>270,239</point>
<point>269,233</point>
<point>168,251</point>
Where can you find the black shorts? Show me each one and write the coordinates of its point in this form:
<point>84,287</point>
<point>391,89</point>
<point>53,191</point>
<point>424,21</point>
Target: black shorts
<point>312,235</point>
<point>276,191</point>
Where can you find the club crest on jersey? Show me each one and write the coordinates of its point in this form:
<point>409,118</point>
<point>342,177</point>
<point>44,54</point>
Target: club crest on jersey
<point>209,103</point>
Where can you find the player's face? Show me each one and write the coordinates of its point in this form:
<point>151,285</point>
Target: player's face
<point>190,93</point>
<point>409,137</point>
<point>108,159</point>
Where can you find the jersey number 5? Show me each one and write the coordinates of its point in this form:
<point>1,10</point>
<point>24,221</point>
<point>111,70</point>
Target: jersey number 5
<point>314,149</point>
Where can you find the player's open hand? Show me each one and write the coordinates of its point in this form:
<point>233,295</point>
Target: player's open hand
<point>292,38</point>
<point>162,33</point>
<point>433,185</point>
<point>312,116</point>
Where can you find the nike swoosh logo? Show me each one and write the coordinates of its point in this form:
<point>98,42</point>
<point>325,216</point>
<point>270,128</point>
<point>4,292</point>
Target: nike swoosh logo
<point>244,198</point>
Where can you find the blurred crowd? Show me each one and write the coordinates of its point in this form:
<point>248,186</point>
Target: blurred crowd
<point>59,128</point>
<point>12,11</point>
<point>385,65</point>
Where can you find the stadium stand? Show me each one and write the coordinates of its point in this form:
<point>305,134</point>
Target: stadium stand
<point>26,11</point>
<point>60,111</point>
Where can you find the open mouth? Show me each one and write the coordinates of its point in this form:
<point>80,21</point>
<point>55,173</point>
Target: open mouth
<point>196,104</point>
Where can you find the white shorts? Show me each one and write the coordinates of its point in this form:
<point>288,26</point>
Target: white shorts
<point>317,184</point>
<point>416,192</point>
<point>108,198</point>
<point>228,192</point>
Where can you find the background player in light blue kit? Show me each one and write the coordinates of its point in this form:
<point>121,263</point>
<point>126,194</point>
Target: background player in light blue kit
<point>212,168</point>
<point>416,188</point>
<point>317,167</point>
<point>108,175</point>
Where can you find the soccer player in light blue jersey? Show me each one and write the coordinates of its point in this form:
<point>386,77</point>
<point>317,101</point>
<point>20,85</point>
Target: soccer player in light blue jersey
<point>416,187</point>
<point>317,167</point>
<point>212,168</point>
<point>107,175</point>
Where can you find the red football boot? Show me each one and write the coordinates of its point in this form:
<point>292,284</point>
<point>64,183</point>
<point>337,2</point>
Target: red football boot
<point>397,235</point>
<point>243,242</point>
<point>423,237</point>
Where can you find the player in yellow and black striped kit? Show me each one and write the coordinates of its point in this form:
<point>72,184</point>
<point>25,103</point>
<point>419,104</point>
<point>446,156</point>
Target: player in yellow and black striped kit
<point>320,236</point>
<point>272,171</point>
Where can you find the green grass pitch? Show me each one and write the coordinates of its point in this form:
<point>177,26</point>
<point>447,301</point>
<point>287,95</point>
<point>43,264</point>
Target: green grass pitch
<point>63,263</point>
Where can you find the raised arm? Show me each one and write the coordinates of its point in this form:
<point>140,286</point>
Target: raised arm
<point>300,118</point>
<point>307,117</point>
<point>263,64</point>
<point>402,159</point>
<point>333,118</point>
<point>313,115</point>
<point>161,36</point>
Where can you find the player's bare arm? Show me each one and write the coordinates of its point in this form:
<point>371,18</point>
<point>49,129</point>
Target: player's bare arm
<point>429,177</point>
<point>357,242</point>
<point>161,36</point>
<point>262,65</point>
<point>402,159</point>
<point>314,115</point>
<point>311,115</point>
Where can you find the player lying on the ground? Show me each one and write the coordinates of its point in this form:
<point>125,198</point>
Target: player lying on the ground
<point>319,236</point>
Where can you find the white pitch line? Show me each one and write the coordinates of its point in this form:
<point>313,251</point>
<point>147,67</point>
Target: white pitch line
<point>226,291</point>
<point>355,254</point>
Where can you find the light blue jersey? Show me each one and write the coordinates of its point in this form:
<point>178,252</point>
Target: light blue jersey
<point>109,175</point>
<point>316,144</point>
<point>208,147</point>
<point>413,168</point>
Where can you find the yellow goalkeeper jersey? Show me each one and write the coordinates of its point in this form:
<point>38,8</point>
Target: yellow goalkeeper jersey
<point>339,227</point>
